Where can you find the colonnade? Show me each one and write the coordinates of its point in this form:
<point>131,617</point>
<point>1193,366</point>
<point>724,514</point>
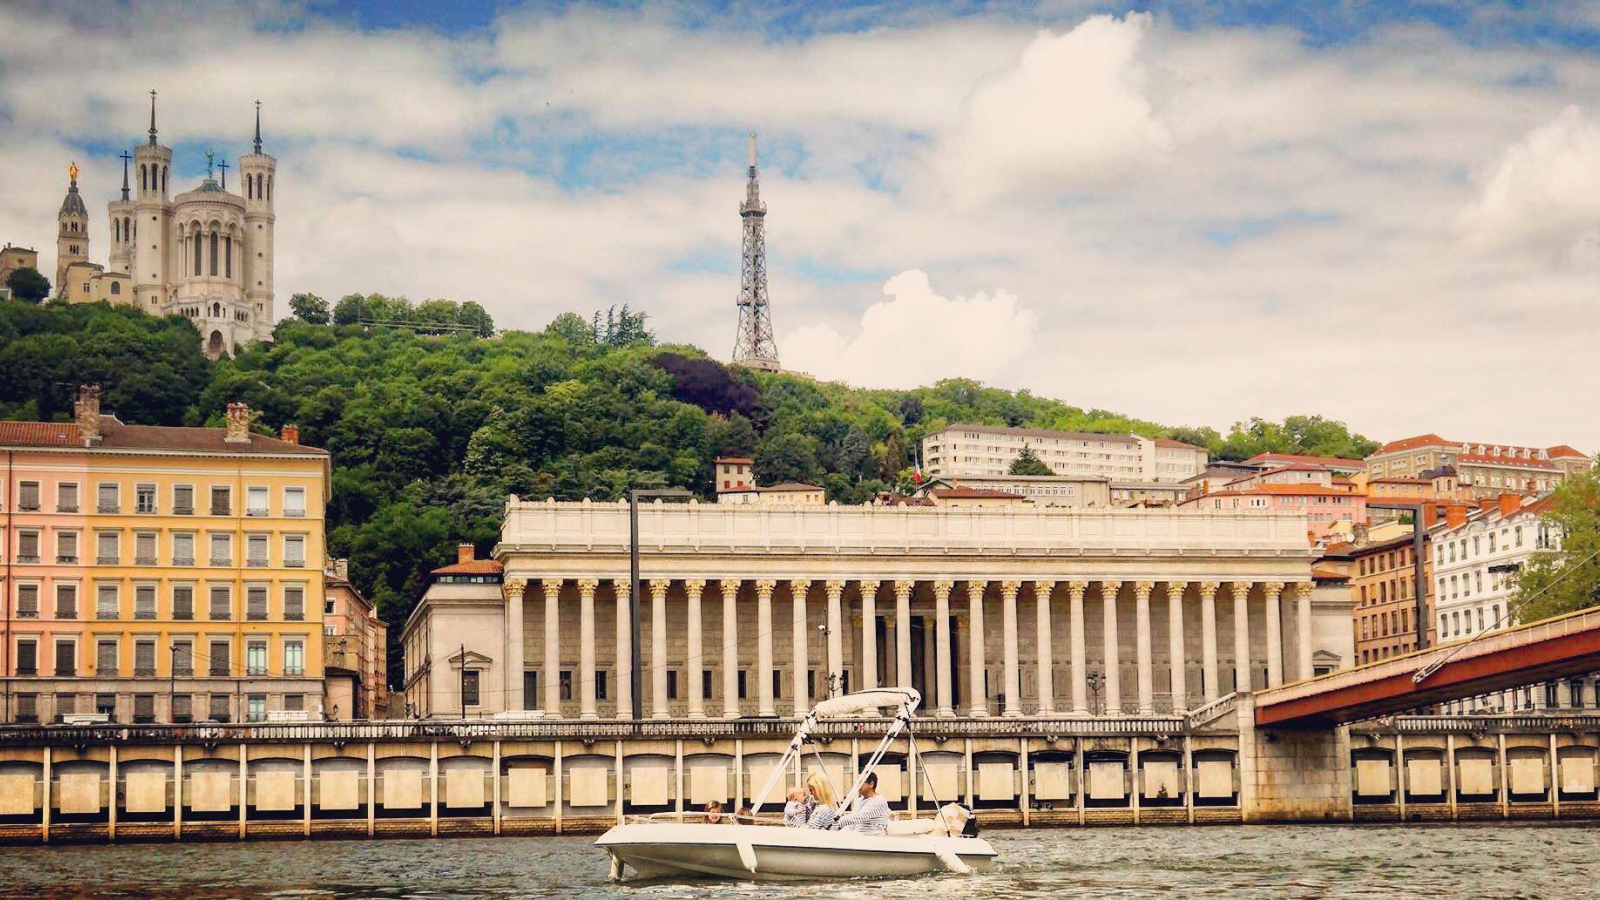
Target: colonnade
<point>1047,595</point>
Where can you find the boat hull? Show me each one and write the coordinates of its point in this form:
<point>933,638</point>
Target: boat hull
<point>766,853</point>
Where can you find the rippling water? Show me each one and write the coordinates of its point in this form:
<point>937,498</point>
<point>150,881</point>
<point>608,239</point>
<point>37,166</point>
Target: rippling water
<point>1499,861</point>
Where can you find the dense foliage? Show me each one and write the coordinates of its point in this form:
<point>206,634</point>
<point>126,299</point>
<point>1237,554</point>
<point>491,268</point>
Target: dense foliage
<point>430,433</point>
<point>28,284</point>
<point>1567,579</point>
<point>429,316</point>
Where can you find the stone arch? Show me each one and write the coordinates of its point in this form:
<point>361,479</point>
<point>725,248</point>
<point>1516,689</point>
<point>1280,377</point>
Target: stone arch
<point>214,345</point>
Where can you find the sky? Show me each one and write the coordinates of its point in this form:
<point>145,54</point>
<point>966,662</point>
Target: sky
<point>1193,213</point>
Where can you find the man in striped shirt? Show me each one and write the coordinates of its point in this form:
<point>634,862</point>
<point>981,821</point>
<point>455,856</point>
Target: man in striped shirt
<point>871,815</point>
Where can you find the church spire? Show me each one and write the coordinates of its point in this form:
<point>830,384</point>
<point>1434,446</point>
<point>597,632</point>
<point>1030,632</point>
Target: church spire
<point>258,127</point>
<point>125,157</point>
<point>152,118</point>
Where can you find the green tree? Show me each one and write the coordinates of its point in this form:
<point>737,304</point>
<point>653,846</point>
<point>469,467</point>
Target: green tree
<point>570,327</point>
<point>309,308</point>
<point>1557,581</point>
<point>349,309</point>
<point>27,284</point>
<point>477,318</point>
<point>1027,463</point>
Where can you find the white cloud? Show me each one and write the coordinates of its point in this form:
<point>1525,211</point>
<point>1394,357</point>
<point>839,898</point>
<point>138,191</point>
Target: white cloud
<point>1543,195</point>
<point>917,337</point>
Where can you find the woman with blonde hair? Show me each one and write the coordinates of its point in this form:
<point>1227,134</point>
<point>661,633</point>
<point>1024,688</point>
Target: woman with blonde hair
<point>824,806</point>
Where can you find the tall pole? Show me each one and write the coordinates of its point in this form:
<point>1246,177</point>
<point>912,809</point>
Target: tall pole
<point>636,675</point>
<point>463,689</point>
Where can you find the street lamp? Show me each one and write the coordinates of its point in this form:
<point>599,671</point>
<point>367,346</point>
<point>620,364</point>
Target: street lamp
<point>635,677</point>
<point>1094,679</point>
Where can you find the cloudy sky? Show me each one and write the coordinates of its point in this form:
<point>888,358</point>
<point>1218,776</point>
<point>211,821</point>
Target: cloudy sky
<point>1385,213</point>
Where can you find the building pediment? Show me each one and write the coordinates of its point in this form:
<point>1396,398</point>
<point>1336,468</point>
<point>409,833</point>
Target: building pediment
<point>470,659</point>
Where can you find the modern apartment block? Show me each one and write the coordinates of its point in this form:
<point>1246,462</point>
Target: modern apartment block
<point>958,450</point>
<point>1482,470</point>
<point>160,574</point>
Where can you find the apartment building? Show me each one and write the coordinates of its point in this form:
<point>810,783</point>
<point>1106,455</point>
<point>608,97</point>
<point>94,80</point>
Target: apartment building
<point>1482,470</point>
<point>1383,585</point>
<point>963,450</point>
<point>160,574</point>
<point>355,651</point>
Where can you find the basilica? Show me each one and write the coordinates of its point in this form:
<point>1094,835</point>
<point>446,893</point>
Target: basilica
<point>205,254</point>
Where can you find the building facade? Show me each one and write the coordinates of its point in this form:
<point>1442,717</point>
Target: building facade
<point>12,259</point>
<point>1046,490</point>
<point>988,611</point>
<point>1383,582</point>
<point>206,253</point>
<point>160,574</point>
<point>1481,470</point>
<point>457,644</point>
<point>355,651</point>
<point>965,450</point>
<point>1327,510</point>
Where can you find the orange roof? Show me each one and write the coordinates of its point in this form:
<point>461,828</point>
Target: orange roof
<point>1328,573</point>
<point>1327,462</point>
<point>1560,450</point>
<point>39,434</point>
<point>1412,443</point>
<point>735,459</point>
<point>472,567</point>
<point>787,487</point>
<point>961,493</point>
<point>1169,442</point>
<point>116,436</point>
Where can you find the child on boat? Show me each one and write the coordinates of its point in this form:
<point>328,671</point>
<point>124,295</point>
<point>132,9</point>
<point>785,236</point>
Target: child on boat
<point>796,810</point>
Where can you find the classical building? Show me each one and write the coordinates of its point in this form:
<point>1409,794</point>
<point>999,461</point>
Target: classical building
<point>12,259</point>
<point>354,651</point>
<point>1482,470</point>
<point>160,574</point>
<point>965,450</point>
<point>453,639</point>
<point>206,254</point>
<point>989,611</point>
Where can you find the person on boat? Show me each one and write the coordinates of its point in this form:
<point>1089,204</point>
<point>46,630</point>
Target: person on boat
<point>824,808</point>
<point>871,816</point>
<point>713,812</point>
<point>796,810</point>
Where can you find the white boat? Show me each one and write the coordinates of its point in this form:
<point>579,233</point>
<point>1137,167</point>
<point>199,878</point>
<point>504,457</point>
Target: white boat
<point>685,845</point>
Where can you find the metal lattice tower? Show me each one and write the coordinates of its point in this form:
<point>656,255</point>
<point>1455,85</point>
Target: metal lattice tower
<point>754,346</point>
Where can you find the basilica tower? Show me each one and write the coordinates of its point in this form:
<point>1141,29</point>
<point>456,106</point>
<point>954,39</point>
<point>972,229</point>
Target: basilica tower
<point>72,238</point>
<point>153,212</point>
<point>122,212</point>
<point>259,172</point>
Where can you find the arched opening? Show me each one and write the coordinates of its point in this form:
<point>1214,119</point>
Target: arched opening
<point>227,256</point>
<point>213,253</point>
<point>163,179</point>
<point>144,177</point>
<point>214,345</point>
<point>116,287</point>
<point>269,190</point>
<point>197,251</point>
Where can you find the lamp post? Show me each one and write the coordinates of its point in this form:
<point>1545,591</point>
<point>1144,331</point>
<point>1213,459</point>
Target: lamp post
<point>1094,680</point>
<point>636,676</point>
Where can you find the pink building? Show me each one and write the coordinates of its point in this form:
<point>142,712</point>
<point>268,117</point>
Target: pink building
<point>1323,505</point>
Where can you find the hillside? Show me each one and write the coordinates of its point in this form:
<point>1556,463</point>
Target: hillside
<point>430,433</point>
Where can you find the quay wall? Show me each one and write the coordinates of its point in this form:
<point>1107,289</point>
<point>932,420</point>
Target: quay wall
<point>129,783</point>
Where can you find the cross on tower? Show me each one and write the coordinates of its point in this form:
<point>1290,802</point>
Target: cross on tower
<point>224,167</point>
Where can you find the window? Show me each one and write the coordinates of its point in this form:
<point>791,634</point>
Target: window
<point>672,684</point>
<point>27,546</point>
<point>183,657</point>
<point>182,708</point>
<point>67,497</point>
<point>600,692</point>
<point>66,658</point>
<point>566,684</point>
<point>294,603</point>
<point>183,549</point>
<point>28,496</point>
<point>106,705</point>
<point>469,688</point>
<point>144,548</point>
<point>220,664</point>
<point>144,601</point>
<point>183,602</point>
<point>255,596</point>
<point>66,601</point>
<point>144,498</point>
<point>255,658</point>
<point>67,547</point>
<point>294,658</point>
<point>294,551</point>
<point>256,551</point>
<point>108,550</point>
<point>144,657</point>
<point>27,657</point>
<point>221,602</point>
<point>27,601</point>
<point>105,658</point>
<point>183,499</point>
<point>256,708</point>
<point>294,501</point>
<point>255,501</point>
<point>106,601</point>
<point>222,549</point>
<point>221,501</point>
<point>108,500</point>
<point>219,708</point>
<point>741,680</point>
<point>295,702</point>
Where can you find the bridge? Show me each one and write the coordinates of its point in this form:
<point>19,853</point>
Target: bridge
<point>1493,661</point>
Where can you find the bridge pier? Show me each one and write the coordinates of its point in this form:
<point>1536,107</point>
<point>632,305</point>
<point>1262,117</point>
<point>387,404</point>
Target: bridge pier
<point>1292,775</point>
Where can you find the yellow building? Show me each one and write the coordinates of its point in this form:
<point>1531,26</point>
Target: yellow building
<point>162,574</point>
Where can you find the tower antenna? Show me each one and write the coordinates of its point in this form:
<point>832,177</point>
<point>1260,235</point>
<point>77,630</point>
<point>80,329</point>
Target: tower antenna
<point>754,345</point>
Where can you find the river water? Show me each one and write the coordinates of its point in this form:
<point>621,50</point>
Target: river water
<point>1381,862</point>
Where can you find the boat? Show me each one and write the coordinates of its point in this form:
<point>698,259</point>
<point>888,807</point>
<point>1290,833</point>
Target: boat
<point>685,845</point>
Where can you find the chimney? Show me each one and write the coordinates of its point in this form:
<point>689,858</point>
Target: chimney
<point>291,434</point>
<point>341,568</point>
<point>1430,514</point>
<point>87,412</point>
<point>238,423</point>
<point>465,552</point>
<point>1485,504</point>
<point>1455,515</point>
<point>1509,504</point>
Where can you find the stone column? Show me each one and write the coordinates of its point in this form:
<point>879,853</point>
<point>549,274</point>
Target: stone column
<point>1175,649</point>
<point>977,704</point>
<point>941,630</point>
<point>1143,653</point>
<point>694,662</point>
<point>1113,664</point>
<point>658,648</point>
<point>835,591</point>
<point>1080,651</point>
<point>1208,639</point>
<point>1241,634</point>
<point>586,662</point>
<point>802,693</point>
<point>552,645</point>
<point>1010,655</point>
<point>1271,590</point>
<point>1302,610</point>
<point>1046,673</point>
<point>764,667</point>
<point>902,632</point>
<point>622,590</point>
<point>869,635</point>
<point>730,647</point>
<point>514,588</point>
